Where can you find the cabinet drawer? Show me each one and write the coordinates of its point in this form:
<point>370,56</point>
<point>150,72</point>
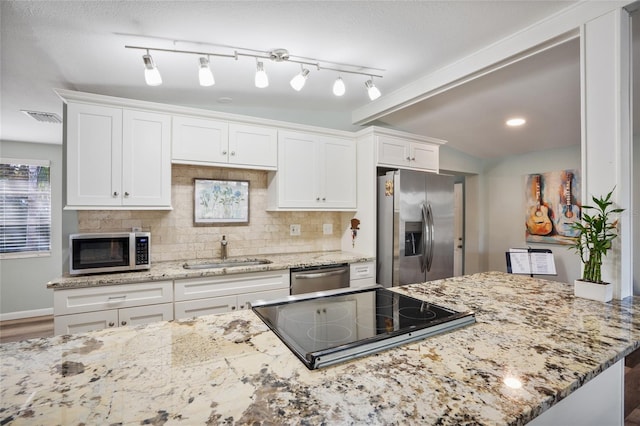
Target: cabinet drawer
<point>78,300</point>
<point>200,307</point>
<point>245,300</point>
<point>200,288</point>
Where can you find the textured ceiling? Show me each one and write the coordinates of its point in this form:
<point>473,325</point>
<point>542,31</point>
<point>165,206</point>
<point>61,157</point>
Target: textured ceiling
<point>80,46</point>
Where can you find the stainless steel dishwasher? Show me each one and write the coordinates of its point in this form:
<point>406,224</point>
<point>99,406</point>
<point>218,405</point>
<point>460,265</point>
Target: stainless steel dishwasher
<point>319,278</point>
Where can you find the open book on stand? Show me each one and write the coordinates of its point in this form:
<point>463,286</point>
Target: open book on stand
<point>530,261</point>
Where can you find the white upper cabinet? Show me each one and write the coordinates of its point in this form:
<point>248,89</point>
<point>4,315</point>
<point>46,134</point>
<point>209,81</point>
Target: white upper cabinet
<point>146,159</point>
<point>117,158</point>
<point>253,146</point>
<point>315,173</point>
<point>398,152</point>
<point>218,143</point>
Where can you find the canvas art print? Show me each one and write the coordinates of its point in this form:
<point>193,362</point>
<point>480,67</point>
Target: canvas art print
<point>552,205</point>
<point>219,202</point>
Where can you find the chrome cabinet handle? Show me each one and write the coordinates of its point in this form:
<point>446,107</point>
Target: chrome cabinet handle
<point>122,296</point>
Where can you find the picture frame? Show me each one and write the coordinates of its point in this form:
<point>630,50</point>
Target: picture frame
<point>220,202</point>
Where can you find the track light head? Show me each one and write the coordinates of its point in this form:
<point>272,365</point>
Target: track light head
<point>338,87</point>
<point>205,75</point>
<point>261,79</point>
<point>151,73</point>
<point>372,90</point>
<point>298,81</point>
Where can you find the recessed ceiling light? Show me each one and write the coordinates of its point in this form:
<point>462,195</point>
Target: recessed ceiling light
<point>515,122</point>
<point>225,100</point>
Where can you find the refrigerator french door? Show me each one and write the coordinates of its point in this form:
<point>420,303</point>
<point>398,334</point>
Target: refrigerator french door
<point>415,227</point>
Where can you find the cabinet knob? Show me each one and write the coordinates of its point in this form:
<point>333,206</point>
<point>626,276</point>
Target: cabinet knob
<point>408,158</point>
<point>224,152</point>
<point>413,158</point>
<point>115,193</point>
<point>126,194</point>
<point>123,323</point>
<point>233,308</point>
<point>317,198</point>
<point>324,199</point>
<point>233,153</point>
<point>111,324</point>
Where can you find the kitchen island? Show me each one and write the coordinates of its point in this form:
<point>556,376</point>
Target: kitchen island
<point>231,369</point>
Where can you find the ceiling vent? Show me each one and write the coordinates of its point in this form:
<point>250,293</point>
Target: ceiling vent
<point>45,117</point>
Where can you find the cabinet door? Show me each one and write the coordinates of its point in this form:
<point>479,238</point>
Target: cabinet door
<point>392,151</point>
<point>253,146</point>
<point>424,156</point>
<point>146,159</point>
<point>199,141</point>
<point>338,176</point>
<point>88,321</point>
<point>145,314</point>
<point>200,307</point>
<point>298,168</point>
<point>94,155</point>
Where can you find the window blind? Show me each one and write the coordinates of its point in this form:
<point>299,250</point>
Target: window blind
<point>25,208</point>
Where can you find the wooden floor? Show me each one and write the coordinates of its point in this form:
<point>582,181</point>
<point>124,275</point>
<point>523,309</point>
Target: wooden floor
<point>15,330</point>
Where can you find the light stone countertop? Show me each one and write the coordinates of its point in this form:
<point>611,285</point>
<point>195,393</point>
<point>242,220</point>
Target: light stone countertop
<point>231,369</point>
<point>174,270</point>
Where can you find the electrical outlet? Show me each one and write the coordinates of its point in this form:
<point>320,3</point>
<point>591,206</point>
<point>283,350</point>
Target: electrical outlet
<point>327,229</point>
<point>294,230</point>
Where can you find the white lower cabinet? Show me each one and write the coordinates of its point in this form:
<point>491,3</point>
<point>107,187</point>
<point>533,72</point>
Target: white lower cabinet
<point>94,308</point>
<point>215,295</point>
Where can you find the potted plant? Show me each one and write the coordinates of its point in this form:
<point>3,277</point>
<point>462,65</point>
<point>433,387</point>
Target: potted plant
<point>595,232</point>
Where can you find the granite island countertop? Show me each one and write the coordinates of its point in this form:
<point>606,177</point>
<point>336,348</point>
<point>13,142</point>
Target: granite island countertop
<point>231,369</point>
<point>174,270</point>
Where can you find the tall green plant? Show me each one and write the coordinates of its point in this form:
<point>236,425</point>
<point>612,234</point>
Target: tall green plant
<point>596,232</point>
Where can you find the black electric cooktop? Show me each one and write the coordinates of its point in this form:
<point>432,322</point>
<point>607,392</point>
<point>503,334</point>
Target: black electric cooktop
<point>326,328</point>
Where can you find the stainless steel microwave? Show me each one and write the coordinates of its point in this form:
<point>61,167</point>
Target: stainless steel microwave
<point>109,252</point>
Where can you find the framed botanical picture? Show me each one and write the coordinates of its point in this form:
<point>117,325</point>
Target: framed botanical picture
<point>221,202</point>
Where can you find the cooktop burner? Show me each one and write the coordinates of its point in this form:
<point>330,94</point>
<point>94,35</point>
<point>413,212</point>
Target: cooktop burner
<point>326,328</point>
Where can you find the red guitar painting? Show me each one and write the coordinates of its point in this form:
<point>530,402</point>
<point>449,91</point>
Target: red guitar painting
<point>538,222</point>
<point>570,212</point>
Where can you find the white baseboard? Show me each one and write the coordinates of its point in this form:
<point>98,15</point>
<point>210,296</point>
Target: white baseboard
<point>26,314</point>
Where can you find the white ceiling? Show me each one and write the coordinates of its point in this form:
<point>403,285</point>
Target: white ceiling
<point>80,46</point>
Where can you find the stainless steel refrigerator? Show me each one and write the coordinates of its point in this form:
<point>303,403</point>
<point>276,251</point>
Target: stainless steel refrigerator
<point>415,227</point>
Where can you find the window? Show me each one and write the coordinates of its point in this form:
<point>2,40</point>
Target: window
<point>25,208</point>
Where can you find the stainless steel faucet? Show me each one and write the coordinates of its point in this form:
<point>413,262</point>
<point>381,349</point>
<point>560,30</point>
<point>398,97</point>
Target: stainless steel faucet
<point>223,248</point>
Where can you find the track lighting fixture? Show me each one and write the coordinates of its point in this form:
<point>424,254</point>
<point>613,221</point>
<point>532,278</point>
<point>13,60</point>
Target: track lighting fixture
<point>152,75</point>
<point>261,80</point>
<point>298,81</point>
<point>205,75</point>
<point>338,87</point>
<point>372,90</point>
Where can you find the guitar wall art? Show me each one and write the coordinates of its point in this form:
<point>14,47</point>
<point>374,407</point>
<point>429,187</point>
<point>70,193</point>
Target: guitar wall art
<point>552,205</point>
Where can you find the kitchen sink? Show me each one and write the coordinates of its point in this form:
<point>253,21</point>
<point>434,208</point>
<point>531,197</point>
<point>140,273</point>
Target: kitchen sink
<point>228,263</point>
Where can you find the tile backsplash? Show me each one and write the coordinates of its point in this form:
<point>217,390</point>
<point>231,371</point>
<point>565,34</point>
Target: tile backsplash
<point>174,236</point>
